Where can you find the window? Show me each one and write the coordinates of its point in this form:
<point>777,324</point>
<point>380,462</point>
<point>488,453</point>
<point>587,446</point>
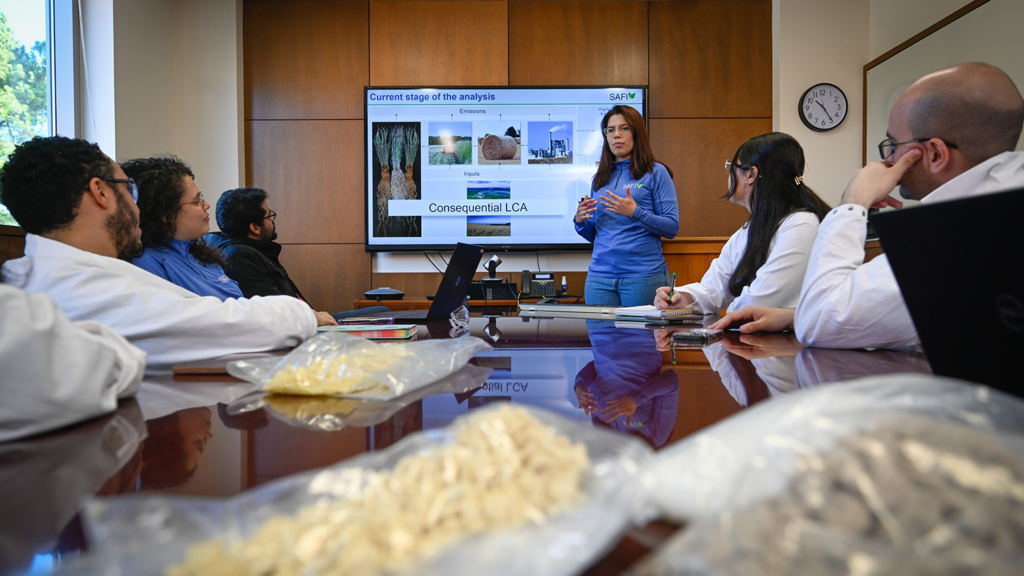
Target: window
<point>28,98</point>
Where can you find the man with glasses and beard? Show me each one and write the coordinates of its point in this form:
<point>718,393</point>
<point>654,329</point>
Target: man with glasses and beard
<point>248,230</point>
<point>78,208</point>
<point>951,135</point>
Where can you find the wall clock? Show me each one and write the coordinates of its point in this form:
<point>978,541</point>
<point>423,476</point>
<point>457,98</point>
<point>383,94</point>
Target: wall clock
<point>823,107</point>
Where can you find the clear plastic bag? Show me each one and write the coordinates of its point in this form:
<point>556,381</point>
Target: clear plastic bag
<point>905,474</point>
<point>331,414</point>
<point>337,364</point>
<point>145,536</point>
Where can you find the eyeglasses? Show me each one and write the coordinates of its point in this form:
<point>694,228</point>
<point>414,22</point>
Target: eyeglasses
<point>199,200</point>
<point>887,147</point>
<point>133,188</point>
<point>729,165</point>
<point>270,216</point>
<point>610,131</point>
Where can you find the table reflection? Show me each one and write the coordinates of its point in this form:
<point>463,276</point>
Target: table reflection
<point>624,387</point>
<point>755,367</point>
<point>817,366</point>
<point>44,479</point>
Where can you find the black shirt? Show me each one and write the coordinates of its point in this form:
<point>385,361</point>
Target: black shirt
<point>255,266</point>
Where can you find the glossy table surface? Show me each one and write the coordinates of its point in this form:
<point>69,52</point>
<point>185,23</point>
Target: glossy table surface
<point>215,436</point>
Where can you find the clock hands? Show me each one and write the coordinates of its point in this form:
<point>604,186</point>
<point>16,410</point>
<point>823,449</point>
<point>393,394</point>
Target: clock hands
<point>826,111</point>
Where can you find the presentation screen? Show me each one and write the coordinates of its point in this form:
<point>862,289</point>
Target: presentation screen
<point>499,167</point>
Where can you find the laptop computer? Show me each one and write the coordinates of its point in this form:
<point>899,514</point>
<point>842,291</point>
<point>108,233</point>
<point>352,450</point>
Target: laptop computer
<point>453,289</point>
<point>959,266</point>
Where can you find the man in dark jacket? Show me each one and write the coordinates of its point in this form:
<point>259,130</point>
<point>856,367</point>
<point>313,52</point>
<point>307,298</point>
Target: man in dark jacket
<point>247,237</point>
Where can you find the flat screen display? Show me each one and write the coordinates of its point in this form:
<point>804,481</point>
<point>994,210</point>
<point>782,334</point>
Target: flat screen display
<point>499,167</point>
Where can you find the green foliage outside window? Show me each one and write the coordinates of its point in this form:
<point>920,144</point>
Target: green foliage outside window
<point>23,101</point>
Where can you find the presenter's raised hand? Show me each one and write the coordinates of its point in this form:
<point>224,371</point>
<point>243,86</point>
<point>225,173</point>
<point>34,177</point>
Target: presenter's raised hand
<point>625,206</point>
<point>324,319</point>
<point>585,210</point>
<point>871,184</point>
<point>757,319</point>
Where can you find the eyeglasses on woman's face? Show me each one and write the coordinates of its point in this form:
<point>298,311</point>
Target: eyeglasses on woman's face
<point>199,200</point>
<point>729,166</point>
<point>611,130</point>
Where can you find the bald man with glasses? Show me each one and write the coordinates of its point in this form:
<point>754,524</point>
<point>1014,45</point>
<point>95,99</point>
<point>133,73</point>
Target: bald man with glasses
<point>951,135</point>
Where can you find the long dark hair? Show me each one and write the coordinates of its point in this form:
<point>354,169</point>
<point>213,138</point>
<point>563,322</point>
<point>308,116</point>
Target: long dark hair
<point>642,160</point>
<point>776,194</point>
<point>161,182</point>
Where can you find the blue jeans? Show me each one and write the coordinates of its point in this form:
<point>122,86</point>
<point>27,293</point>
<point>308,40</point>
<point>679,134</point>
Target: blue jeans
<point>601,291</point>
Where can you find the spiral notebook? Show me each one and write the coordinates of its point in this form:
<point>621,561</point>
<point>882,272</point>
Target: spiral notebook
<point>649,312</point>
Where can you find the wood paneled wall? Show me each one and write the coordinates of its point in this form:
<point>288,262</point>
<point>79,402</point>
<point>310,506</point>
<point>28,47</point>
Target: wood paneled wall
<point>708,64</point>
<point>12,243</point>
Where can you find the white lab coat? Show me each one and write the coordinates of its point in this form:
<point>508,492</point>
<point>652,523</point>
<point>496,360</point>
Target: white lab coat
<point>846,303</point>
<point>170,323</point>
<point>777,282</point>
<point>54,372</point>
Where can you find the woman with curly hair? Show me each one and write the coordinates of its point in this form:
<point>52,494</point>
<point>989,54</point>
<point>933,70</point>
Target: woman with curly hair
<point>173,217</point>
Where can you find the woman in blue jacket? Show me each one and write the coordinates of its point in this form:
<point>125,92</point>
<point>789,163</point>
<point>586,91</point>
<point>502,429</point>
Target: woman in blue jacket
<point>174,216</point>
<point>637,207</point>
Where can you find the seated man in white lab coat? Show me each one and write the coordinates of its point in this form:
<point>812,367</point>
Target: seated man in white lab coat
<point>54,372</point>
<point>951,135</point>
<point>78,209</point>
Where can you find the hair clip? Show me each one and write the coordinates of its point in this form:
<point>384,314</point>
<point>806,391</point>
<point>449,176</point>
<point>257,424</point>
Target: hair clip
<point>799,180</point>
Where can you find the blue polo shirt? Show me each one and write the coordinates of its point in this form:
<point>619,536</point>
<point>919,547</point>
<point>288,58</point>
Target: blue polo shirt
<point>173,263</point>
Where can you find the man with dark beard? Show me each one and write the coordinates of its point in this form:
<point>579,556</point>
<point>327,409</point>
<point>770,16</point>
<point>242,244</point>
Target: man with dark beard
<point>248,230</point>
<point>77,206</point>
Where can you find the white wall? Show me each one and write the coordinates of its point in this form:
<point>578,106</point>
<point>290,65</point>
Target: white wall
<point>177,85</point>
<point>812,42</point>
<point>896,21</point>
<point>97,86</point>
<point>144,78</point>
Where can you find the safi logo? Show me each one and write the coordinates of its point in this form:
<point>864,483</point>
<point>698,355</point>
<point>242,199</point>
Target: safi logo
<point>622,96</point>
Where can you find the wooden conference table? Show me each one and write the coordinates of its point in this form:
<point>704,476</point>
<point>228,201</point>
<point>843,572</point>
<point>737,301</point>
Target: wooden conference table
<point>205,436</point>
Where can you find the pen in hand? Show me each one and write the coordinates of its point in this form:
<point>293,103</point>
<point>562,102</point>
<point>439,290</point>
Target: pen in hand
<point>672,288</point>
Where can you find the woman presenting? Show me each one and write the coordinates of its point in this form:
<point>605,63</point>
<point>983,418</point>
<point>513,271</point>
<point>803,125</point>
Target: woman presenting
<point>636,209</point>
<point>763,263</point>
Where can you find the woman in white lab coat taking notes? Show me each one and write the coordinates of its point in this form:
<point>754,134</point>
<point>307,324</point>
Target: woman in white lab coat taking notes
<point>763,263</point>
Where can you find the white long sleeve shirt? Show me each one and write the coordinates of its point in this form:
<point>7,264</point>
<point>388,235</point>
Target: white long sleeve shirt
<point>169,323</point>
<point>777,282</point>
<point>846,303</point>
<point>54,372</point>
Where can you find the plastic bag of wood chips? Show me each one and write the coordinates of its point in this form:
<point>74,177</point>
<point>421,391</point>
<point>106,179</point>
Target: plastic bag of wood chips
<point>888,475</point>
<point>328,413</point>
<point>503,490</point>
<point>337,364</point>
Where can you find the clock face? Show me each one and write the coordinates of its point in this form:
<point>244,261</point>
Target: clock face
<point>823,107</point>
